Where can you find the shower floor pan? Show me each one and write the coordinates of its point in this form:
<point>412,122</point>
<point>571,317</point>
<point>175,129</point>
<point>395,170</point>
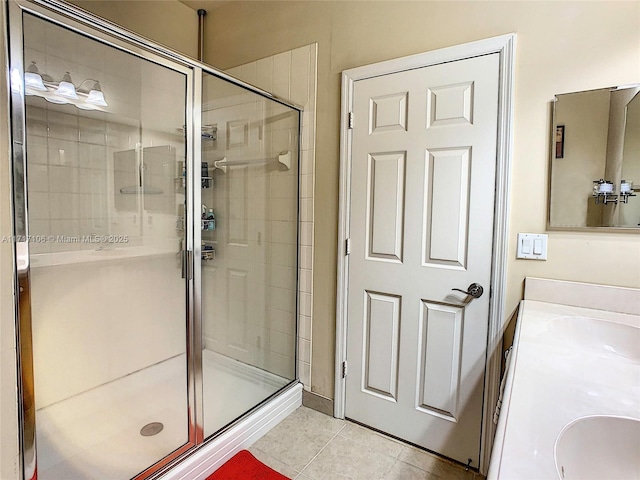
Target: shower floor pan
<point>96,434</point>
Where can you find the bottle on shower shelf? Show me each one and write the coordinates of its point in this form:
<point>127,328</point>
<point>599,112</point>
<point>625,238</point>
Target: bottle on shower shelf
<point>204,222</point>
<point>206,179</point>
<point>211,220</point>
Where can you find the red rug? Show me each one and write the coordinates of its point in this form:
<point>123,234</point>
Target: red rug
<point>244,466</point>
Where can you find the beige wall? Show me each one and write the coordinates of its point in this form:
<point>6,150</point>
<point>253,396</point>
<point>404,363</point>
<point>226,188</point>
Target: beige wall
<point>167,22</point>
<point>597,45</point>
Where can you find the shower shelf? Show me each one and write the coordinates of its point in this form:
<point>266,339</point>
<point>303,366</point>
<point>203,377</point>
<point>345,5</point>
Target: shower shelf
<point>209,132</point>
<point>179,181</point>
<point>204,225</point>
<point>144,190</point>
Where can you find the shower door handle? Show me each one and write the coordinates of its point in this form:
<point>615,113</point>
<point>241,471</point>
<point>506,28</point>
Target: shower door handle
<point>187,264</point>
<point>22,257</point>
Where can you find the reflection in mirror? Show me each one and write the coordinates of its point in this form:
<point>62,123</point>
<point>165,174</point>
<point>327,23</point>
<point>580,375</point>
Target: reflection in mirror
<point>595,159</point>
<point>630,213</point>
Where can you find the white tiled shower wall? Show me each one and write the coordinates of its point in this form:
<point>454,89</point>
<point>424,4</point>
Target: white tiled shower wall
<point>291,75</point>
<point>71,181</point>
<point>249,290</point>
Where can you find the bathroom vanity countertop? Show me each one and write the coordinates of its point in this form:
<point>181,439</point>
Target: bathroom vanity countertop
<point>561,370</point>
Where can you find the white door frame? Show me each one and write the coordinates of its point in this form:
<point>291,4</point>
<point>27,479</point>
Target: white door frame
<point>505,46</point>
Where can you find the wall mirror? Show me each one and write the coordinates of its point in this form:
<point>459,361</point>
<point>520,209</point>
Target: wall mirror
<point>595,160</point>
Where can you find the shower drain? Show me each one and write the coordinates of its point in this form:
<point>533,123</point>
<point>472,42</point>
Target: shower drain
<point>150,429</point>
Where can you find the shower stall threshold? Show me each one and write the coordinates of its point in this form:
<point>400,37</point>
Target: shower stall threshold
<point>214,453</point>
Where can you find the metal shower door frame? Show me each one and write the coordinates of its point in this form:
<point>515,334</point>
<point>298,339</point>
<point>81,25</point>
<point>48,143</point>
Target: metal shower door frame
<point>83,25</point>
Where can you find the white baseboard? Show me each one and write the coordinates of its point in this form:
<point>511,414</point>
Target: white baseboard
<point>208,458</point>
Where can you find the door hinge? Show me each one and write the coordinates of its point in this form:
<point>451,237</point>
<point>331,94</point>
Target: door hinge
<point>347,246</point>
<point>344,369</point>
<point>350,120</point>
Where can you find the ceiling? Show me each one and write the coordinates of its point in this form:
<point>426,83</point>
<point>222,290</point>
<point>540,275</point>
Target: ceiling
<point>206,4</point>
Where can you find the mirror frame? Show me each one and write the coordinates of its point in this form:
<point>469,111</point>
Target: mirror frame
<point>551,153</point>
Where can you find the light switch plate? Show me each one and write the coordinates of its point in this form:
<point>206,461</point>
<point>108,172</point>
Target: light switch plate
<point>532,246</point>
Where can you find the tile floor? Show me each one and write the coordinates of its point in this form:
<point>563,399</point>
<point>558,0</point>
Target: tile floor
<point>308,445</point>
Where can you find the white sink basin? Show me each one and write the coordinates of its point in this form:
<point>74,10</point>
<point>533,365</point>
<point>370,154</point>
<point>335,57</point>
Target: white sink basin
<point>599,336</point>
<point>599,447</point>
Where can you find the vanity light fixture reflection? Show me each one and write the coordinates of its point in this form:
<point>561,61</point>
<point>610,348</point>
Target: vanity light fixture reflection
<point>66,88</point>
<point>626,190</point>
<point>95,95</point>
<point>604,191</point>
<point>64,91</point>
<point>33,79</point>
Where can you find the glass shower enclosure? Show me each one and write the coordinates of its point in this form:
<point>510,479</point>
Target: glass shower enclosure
<point>156,242</point>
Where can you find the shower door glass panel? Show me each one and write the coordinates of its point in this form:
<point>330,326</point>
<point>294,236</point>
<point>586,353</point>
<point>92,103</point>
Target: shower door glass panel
<point>249,249</point>
<point>105,223</point>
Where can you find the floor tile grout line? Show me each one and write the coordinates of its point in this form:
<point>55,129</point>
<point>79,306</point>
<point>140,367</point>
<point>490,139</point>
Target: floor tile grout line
<point>325,446</point>
<point>286,465</point>
<point>401,444</point>
<point>408,446</point>
<point>395,458</point>
<point>384,475</point>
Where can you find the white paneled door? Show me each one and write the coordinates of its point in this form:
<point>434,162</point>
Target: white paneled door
<point>421,224</point>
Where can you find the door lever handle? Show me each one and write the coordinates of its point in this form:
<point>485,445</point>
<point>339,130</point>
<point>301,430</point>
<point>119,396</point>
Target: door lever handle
<point>475,290</point>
